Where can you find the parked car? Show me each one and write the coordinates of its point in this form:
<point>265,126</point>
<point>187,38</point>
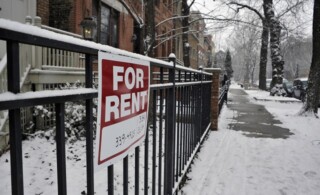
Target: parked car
<point>268,83</point>
<point>299,88</point>
<point>288,87</point>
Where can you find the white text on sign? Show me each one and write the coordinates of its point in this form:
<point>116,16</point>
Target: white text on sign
<point>128,103</point>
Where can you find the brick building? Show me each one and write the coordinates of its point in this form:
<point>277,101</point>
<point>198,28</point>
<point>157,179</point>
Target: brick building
<point>164,10</point>
<point>210,50</point>
<point>119,22</point>
<point>119,25</point>
<point>64,15</point>
<point>177,39</point>
<point>196,39</point>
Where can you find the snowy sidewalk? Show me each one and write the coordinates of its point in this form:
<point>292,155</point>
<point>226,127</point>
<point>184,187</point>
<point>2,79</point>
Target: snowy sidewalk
<point>252,118</point>
<point>235,160</point>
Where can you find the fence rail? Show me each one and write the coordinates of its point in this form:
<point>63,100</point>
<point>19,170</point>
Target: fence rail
<point>178,122</point>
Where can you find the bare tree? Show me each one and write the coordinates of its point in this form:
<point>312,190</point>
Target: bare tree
<point>185,11</point>
<point>276,55</point>
<point>292,6</point>
<point>150,28</point>
<point>313,90</point>
<point>246,42</point>
<point>297,53</point>
<point>297,71</point>
<point>264,43</point>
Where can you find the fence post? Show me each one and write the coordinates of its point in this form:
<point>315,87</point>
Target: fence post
<point>89,127</point>
<point>215,98</point>
<point>201,103</point>
<point>13,76</point>
<point>169,148</point>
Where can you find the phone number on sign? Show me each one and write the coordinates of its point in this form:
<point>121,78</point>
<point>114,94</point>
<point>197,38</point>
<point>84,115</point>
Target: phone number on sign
<point>121,139</point>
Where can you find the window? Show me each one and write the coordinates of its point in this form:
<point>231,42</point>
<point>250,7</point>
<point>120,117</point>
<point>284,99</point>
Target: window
<point>109,26</point>
<point>157,2</point>
<point>59,14</point>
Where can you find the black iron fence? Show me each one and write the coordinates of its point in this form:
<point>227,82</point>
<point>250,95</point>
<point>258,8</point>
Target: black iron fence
<point>179,117</point>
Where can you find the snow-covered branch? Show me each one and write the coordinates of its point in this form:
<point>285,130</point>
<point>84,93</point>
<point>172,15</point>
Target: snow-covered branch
<point>289,9</point>
<point>173,36</point>
<point>241,6</point>
<point>135,16</point>
<point>172,18</point>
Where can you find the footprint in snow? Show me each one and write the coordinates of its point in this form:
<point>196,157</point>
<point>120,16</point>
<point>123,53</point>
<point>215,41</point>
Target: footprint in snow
<point>220,188</point>
<point>310,174</point>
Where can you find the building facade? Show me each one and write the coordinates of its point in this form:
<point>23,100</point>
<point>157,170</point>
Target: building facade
<point>209,50</point>
<point>119,24</point>
<point>198,46</point>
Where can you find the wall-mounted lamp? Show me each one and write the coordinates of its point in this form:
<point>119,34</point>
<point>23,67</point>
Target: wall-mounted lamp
<point>134,38</point>
<point>88,28</point>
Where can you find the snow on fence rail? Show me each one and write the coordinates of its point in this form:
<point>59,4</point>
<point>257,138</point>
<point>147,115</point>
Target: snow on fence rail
<point>175,131</point>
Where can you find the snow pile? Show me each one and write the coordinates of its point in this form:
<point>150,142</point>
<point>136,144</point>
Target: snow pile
<point>265,96</point>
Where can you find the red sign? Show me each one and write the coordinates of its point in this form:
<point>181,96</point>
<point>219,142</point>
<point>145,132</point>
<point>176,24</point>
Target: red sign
<point>123,106</point>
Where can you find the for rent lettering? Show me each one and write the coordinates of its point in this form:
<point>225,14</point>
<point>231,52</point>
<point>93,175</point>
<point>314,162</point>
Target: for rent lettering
<point>126,104</point>
<point>136,76</point>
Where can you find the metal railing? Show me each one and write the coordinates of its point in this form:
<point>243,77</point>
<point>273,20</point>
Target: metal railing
<point>61,58</point>
<point>51,57</point>
<point>178,122</point>
<point>25,66</point>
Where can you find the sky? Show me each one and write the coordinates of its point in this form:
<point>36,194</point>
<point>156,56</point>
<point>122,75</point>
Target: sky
<point>221,36</point>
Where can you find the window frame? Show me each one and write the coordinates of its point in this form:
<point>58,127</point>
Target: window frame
<point>112,38</point>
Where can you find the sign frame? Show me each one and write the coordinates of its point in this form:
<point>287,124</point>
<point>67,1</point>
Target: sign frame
<point>125,129</point>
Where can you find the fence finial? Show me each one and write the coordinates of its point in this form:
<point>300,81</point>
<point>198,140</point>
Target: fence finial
<point>172,56</point>
<point>28,20</point>
<point>37,21</point>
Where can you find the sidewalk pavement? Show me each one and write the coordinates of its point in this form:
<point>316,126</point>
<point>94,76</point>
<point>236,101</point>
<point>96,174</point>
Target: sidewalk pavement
<point>253,119</point>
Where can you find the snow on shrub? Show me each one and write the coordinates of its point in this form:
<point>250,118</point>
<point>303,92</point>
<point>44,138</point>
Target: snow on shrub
<point>75,116</point>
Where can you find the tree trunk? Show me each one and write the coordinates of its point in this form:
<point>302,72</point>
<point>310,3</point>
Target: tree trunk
<point>150,28</point>
<point>276,57</point>
<point>313,90</point>
<point>252,72</point>
<point>297,72</point>
<point>185,36</point>
<point>246,76</point>
<point>264,56</point>
<point>149,44</point>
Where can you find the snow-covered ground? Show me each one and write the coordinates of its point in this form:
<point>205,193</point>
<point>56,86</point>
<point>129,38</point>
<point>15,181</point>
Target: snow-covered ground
<point>229,162</point>
<point>40,175</point>
<point>232,163</point>
<point>40,167</point>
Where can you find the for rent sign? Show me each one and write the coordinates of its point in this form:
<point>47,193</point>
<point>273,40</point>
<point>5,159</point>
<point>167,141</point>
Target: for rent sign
<point>122,108</point>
